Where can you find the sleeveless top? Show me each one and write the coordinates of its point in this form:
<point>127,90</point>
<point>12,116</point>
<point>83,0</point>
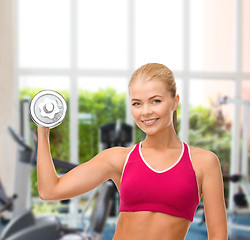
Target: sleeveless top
<point>173,191</point>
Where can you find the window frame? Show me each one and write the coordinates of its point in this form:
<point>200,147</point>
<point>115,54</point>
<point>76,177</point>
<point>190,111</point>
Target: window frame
<point>185,75</point>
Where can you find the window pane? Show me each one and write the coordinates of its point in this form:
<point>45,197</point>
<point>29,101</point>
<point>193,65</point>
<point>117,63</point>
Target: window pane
<point>196,34</point>
<point>179,87</point>
<point>246,90</point>
<point>44,33</point>
<point>93,84</point>
<point>210,123</point>
<point>44,82</point>
<point>212,35</point>
<point>103,34</point>
<point>158,32</point>
<point>207,92</point>
<point>246,35</point>
<point>101,101</point>
<point>246,97</point>
<point>59,137</point>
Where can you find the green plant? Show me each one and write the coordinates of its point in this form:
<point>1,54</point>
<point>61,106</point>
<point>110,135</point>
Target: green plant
<point>106,106</point>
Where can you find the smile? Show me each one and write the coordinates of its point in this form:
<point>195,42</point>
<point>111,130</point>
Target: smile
<point>150,122</point>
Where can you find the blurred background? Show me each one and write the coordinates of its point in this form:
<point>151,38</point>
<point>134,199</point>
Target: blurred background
<point>87,50</point>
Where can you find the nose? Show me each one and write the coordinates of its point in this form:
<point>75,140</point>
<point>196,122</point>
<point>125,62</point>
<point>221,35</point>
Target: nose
<point>146,110</point>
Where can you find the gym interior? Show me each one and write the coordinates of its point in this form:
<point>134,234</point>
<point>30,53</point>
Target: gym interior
<point>87,51</point>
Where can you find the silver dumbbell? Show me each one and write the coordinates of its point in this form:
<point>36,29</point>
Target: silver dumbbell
<point>48,108</point>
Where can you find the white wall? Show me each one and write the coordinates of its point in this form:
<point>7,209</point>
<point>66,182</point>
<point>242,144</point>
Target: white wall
<point>9,109</point>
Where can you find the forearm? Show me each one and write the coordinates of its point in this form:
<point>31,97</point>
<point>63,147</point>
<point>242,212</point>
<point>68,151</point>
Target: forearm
<point>222,235</point>
<point>219,232</point>
<point>46,174</point>
<point>218,238</point>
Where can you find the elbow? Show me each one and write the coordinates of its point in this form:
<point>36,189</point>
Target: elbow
<point>43,196</point>
<point>48,193</point>
<point>51,195</point>
<point>42,193</point>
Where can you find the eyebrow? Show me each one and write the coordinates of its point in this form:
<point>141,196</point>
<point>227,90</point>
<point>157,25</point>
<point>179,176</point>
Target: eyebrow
<point>134,99</point>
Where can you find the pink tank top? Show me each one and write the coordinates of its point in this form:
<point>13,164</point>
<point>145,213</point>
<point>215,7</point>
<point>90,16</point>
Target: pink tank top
<point>172,191</point>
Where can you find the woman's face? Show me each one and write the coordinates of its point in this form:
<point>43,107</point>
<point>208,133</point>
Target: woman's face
<point>152,105</point>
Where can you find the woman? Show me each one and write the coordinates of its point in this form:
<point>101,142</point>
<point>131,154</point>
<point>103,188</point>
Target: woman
<point>160,179</point>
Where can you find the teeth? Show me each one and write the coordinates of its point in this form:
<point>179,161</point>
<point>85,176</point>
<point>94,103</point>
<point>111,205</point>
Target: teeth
<point>151,121</point>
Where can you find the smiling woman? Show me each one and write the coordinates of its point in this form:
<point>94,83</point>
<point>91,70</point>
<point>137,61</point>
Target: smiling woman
<point>170,196</point>
<point>148,96</point>
<point>160,179</point>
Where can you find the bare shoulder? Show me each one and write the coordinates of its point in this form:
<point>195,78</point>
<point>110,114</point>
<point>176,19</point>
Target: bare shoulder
<point>204,159</point>
<point>117,156</point>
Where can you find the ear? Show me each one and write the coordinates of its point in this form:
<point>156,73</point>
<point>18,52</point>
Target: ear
<point>176,101</point>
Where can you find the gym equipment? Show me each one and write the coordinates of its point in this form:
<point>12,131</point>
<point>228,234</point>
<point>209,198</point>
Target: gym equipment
<point>115,134</point>
<point>242,166</point>
<point>48,108</point>
<point>238,224</point>
<point>27,227</point>
<point>6,203</point>
<point>239,216</point>
<point>28,154</point>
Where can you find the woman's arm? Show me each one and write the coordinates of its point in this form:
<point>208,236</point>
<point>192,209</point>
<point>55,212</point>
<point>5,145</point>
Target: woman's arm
<point>79,180</point>
<point>213,198</point>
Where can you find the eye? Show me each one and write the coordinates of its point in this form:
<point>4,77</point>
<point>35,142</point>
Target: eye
<point>135,104</point>
<point>156,101</point>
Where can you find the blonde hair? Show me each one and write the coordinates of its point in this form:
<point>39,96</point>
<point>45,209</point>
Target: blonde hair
<point>158,71</point>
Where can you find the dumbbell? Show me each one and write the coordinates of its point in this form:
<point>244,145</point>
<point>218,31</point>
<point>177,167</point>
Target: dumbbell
<point>48,108</point>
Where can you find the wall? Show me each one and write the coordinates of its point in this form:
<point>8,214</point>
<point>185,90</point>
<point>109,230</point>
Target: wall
<point>9,109</point>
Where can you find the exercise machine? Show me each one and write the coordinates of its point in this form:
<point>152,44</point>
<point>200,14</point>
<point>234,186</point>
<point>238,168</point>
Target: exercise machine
<point>111,135</point>
<point>238,221</point>
<point>27,227</point>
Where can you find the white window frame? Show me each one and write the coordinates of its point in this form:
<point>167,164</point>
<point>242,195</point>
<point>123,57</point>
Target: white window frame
<point>185,75</point>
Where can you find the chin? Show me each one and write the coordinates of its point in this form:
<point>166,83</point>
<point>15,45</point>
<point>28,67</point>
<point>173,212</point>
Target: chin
<point>150,132</point>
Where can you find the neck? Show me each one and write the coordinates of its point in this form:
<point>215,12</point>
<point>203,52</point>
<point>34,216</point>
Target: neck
<point>164,139</point>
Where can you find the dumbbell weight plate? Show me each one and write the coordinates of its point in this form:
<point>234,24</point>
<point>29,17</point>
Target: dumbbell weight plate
<point>48,108</point>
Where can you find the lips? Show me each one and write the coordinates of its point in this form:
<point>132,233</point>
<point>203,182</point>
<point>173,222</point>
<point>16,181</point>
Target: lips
<point>150,121</point>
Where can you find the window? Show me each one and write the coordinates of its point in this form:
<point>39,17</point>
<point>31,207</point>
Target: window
<point>87,45</point>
